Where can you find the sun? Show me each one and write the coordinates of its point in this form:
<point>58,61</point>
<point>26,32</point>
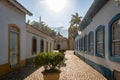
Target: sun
<point>56,5</point>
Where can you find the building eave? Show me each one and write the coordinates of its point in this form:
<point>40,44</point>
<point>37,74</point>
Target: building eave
<point>45,35</point>
<point>19,6</point>
<point>93,10</point>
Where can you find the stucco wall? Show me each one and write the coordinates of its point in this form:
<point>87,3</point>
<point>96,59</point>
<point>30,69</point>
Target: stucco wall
<point>102,18</point>
<point>63,44</point>
<point>61,41</point>
<point>11,15</point>
<point>71,43</point>
<point>32,32</point>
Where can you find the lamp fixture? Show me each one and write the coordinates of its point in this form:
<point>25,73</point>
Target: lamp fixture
<point>79,32</point>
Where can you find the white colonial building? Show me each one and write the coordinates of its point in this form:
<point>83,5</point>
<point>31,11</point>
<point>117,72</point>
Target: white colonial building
<point>99,41</point>
<point>12,35</point>
<point>37,41</point>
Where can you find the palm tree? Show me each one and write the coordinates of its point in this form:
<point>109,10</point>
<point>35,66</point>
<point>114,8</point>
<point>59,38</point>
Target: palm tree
<point>75,20</point>
<point>43,27</point>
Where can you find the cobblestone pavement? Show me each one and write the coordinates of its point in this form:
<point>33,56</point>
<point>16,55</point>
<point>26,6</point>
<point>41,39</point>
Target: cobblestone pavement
<point>75,69</point>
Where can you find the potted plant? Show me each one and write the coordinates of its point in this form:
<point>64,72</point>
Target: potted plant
<point>51,62</point>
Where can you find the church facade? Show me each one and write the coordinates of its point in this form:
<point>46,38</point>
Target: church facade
<point>60,42</point>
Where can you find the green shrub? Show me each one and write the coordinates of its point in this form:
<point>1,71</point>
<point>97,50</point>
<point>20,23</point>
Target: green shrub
<point>62,50</point>
<point>49,60</point>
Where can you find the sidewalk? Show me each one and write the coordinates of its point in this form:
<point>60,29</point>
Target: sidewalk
<point>75,69</point>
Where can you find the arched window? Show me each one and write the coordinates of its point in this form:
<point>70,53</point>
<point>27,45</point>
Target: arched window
<point>114,38</point>
<point>42,45</point>
<point>85,43</point>
<point>34,45</point>
<point>75,45</point>
<point>100,41</point>
<point>91,43</point>
<point>79,44</point>
<point>82,44</point>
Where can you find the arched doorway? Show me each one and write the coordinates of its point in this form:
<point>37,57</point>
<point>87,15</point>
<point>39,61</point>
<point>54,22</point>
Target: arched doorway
<point>42,45</point>
<point>58,46</point>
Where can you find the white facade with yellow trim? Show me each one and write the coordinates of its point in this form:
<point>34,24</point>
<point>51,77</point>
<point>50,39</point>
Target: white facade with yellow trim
<point>12,35</point>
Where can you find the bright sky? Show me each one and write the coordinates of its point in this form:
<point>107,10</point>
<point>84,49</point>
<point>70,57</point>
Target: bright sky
<point>56,13</point>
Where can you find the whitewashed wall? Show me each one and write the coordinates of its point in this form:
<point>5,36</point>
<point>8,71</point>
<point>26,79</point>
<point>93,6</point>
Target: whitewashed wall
<point>10,15</point>
<point>29,44</point>
<point>102,18</point>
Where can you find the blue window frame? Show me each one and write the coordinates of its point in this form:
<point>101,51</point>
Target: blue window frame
<point>79,44</point>
<point>114,38</point>
<point>75,45</point>
<point>91,42</point>
<point>82,44</point>
<point>100,41</point>
<point>85,43</point>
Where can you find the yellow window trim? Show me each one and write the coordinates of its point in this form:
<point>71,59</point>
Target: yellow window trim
<point>46,46</point>
<point>50,47</point>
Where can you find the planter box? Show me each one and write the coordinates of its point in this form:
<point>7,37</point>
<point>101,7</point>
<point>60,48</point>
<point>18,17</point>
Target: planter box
<point>51,76</point>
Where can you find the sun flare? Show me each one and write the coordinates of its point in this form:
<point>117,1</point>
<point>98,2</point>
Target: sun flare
<point>56,5</point>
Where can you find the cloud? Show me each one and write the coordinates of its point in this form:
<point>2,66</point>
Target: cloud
<point>63,31</point>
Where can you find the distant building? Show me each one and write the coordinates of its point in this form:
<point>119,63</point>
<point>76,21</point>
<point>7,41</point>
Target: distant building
<point>12,35</point>
<point>60,42</point>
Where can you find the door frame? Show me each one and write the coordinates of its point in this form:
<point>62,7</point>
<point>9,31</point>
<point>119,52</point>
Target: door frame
<point>46,46</point>
<point>15,26</point>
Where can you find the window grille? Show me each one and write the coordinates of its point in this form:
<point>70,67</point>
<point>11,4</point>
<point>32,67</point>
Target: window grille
<point>116,38</point>
<point>85,43</point>
<point>99,41</point>
<point>91,48</point>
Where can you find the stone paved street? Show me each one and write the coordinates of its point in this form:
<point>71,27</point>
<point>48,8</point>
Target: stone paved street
<point>75,69</point>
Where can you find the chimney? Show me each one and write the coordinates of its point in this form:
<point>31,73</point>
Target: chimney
<point>40,20</point>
